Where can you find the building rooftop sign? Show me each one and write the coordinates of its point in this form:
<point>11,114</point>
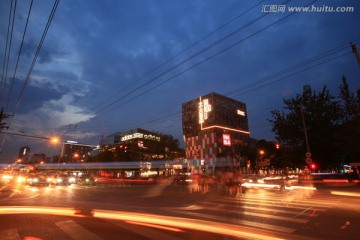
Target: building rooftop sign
<point>138,135</point>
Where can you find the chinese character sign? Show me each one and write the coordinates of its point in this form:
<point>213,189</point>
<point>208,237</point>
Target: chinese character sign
<point>204,109</point>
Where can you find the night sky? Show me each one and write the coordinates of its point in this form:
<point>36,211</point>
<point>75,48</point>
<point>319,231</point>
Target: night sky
<point>108,66</point>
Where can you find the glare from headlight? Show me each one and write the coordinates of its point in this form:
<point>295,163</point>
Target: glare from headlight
<point>20,179</point>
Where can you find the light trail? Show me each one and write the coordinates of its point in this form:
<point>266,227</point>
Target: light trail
<point>152,219</point>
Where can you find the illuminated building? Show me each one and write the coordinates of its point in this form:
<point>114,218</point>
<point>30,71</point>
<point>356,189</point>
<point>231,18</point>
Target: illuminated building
<point>135,145</point>
<point>24,154</point>
<point>75,152</point>
<point>215,131</point>
<point>137,135</point>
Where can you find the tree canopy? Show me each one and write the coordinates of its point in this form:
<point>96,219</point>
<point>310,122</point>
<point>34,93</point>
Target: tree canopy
<point>332,125</point>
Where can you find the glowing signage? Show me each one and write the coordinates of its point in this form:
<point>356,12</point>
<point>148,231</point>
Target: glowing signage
<point>204,109</point>
<point>226,139</point>
<point>240,112</point>
<point>140,135</point>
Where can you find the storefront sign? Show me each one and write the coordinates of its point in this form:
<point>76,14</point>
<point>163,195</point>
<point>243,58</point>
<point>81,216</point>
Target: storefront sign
<point>226,139</point>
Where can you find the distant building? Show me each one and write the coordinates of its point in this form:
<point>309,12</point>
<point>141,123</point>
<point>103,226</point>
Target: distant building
<point>138,144</point>
<point>215,131</point>
<point>24,154</point>
<point>38,158</point>
<point>75,152</point>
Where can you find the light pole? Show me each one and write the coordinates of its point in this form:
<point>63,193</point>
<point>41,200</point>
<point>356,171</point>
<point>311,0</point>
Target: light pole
<point>308,153</point>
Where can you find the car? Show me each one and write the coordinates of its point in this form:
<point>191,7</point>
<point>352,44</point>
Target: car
<point>38,179</point>
<point>62,179</point>
<point>86,180</point>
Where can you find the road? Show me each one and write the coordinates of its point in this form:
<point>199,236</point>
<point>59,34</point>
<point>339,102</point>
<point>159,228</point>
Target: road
<point>143,211</point>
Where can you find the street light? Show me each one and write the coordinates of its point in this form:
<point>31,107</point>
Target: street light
<point>54,140</point>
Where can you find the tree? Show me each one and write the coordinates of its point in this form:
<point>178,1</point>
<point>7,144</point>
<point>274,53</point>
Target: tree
<point>329,121</point>
<point>348,130</point>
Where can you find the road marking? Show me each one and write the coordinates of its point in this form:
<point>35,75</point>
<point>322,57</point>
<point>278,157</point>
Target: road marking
<point>278,204</point>
<point>75,231</point>
<point>263,209</point>
<point>10,234</point>
<point>237,221</point>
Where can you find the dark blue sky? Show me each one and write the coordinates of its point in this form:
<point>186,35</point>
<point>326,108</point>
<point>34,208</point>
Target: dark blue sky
<point>108,66</point>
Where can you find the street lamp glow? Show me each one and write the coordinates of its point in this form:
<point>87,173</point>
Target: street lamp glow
<point>54,140</point>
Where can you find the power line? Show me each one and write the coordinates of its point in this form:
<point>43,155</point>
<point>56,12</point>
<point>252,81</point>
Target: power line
<point>291,68</point>
<point>56,3</point>
<point>188,59</point>
<point>18,58</point>
<point>181,52</point>
<point>8,47</point>
<point>195,65</point>
<point>205,60</point>
<point>311,60</point>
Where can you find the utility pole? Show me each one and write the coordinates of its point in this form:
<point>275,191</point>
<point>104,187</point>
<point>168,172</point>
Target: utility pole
<point>356,52</point>
<point>308,153</point>
<point>2,117</point>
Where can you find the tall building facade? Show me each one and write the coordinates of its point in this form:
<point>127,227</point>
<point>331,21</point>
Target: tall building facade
<point>75,152</point>
<point>215,131</point>
<point>24,154</point>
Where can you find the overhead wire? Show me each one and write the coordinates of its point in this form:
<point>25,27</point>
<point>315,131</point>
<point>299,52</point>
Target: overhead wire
<point>3,84</point>
<point>56,3</point>
<point>291,68</point>
<point>186,60</point>
<point>201,51</point>
<point>206,59</point>
<point>8,47</point>
<point>182,62</point>
<point>19,54</point>
<point>313,60</point>
<point>182,51</point>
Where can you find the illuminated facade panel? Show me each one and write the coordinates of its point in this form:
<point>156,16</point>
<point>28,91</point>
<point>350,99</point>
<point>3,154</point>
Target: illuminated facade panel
<point>215,128</point>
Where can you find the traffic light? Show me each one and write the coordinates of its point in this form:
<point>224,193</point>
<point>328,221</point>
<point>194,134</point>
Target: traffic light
<point>313,166</point>
<point>277,146</point>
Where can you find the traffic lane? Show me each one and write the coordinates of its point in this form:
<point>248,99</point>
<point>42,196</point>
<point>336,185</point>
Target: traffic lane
<point>137,199</point>
<point>110,225</point>
<point>142,195</point>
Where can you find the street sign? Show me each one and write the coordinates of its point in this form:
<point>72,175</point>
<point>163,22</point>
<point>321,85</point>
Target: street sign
<point>308,155</point>
<point>308,160</point>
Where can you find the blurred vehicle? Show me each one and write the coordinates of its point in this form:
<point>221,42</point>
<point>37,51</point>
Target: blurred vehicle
<point>62,179</point>
<point>38,179</point>
<point>182,179</point>
<point>86,180</point>
<point>6,178</point>
<point>21,178</point>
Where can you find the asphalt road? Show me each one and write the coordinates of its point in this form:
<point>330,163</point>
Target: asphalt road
<point>143,211</point>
